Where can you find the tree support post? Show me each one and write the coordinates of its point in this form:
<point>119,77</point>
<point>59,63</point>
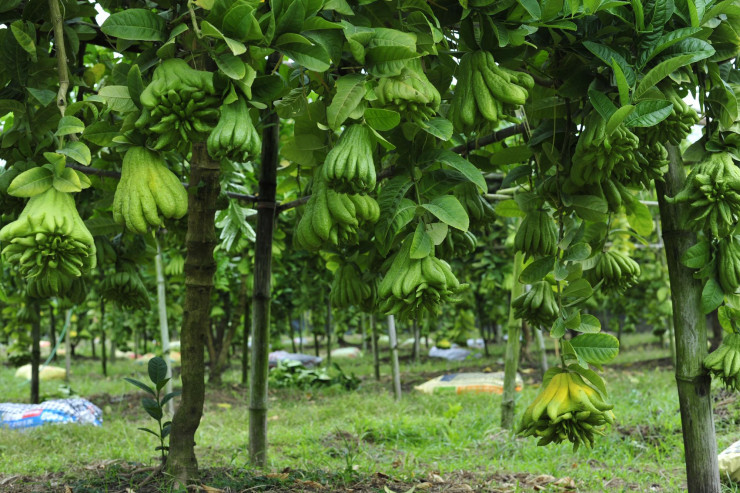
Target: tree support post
<point>511,364</point>
<point>261,291</point>
<point>164,331</point>
<point>693,382</point>
<point>395,368</point>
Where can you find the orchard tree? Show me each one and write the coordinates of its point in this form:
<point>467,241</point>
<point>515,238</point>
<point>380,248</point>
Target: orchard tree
<point>383,117</point>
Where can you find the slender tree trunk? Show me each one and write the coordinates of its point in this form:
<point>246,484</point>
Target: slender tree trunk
<point>200,266</point>
<point>363,331</point>
<point>327,327</point>
<point>116,322</point>
<point>262,289</point>
<point>693,382</point>
<point>35,353</point>
<point>245,342</point>
<point>511,362</point>
<point>292,335</point>
<point>481,324</point>
<point>376,353</point>
<point>316,343</point>
<point>53,332</point>
<point>103,358</point>
<point>302,329</point>
<point>542,350</point>
<point>395,368</point>
<point>164,331</point>
<point>417,341</point>
<point>67,346</point>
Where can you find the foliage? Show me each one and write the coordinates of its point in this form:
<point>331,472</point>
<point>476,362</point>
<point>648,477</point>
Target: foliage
<point>294,374</point>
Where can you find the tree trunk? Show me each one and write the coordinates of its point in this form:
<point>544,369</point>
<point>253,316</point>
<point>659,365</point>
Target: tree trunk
<point>511,362</point>
<point>67,346</point>
<point>363,331</point>
<point>481,324</point>
<point>376,354</point>
<point>262,289</point>
<point>103,357</point>
<point>417,341</point>
<point>693,382</point>
<point>542,350</point>
<point>302,330</point>
<point>327,329</point>
<point>395,368</point>
<point>164,331</point>
<point>35,353</point>
<point>292,335</point>
<point>200,266</point>
<point>245,344</point>
<point>53,333</point>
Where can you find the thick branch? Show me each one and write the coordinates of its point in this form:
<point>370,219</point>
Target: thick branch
<point>58,21</point>
<point>497,136</point>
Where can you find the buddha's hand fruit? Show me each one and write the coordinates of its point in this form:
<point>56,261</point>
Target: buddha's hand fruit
<point>234,137</point>
<point>146,190</point>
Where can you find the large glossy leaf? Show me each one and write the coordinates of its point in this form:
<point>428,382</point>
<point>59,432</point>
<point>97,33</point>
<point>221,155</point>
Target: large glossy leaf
<point>711,296</point>
<point>537,270</point>
<point>135,25</point>
<point>649,113</point>
<point>100,133</point>
<point>596,348</point>
<point>152,408</point>
<point>31,182</point>
<point>606,54</point>
<point>388,51</point>
<point>25,35</point>
<point>78,151</point>
<point>312,57</point>
<point>157,369</point>
<point>141,385</point>
<point>68,181</point>
<point>449,210</point>
<point>660,72</point>
<point>697,256</point>
<point>421,243</point>
<point>455,161</point>
<point>117,98</point>
<point>69,125</point>
<point>381,119</point>
<point>350,90</point>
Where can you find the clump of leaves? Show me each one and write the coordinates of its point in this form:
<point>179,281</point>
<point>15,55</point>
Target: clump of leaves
<point>154,405</point>
<point>294,374</point>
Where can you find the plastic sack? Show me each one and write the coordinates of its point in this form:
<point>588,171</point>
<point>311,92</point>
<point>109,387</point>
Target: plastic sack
<point>72,410</point>
<point>453,354</point>
<point>729,462</point>
<point>45,373</point>
<point>462,383</point>
<point>346,352</point>
<point>305,359</point>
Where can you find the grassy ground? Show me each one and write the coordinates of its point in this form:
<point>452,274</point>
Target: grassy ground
<point>365,434</point>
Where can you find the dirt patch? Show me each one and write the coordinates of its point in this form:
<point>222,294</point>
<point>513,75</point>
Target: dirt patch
<point>644,433</point>
<point>648,364</point>
<point>118,477</point>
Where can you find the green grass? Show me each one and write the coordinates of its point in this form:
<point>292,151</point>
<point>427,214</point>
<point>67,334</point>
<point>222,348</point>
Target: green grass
<point>365,431</point>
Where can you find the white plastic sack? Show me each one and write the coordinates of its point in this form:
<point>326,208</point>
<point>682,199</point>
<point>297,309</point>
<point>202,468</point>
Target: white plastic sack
<point>45,373</point>
<point>346,352</point>
<point>729,462</point>
<point>462,383</point>
<point>73,410</point>
<point>305,359</point>
<point>452,354</point>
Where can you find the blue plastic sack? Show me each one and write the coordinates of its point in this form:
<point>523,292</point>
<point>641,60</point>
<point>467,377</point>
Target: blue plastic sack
<point>72,410</point>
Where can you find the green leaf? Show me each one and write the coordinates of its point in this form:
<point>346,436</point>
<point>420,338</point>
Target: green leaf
<point>67,181</point>
<point>661,71</point>
<point>649,113</point>
<point>449,210</point>
<point>100,133</point>
<point>43,96</point>
<point>382,120</point>
<point>31,182</point>
<point>231,65</point>
<point>69,125</point>
<point>170,396</point>
<point>135,84</point>
<point>697,256</point>
<point>157,369</point>
<point>312,57</point>
<point>622,85</point>
<point>141,385</point>
<point>77,151</point>
<point>606,54</point>
<point>596,348</point>
<point>591,376</point>
<point>532,7</point>
<point>589,207</point>
<point>459,163</point>
<point>537,270</point>
<point>508,208</point>
<point>117,98</point>
<point>350,90</point>
<point>577,251</point>
<point>511,155</point>
<point>421,243</point>
<point>152,408</point>
<point>640,219</point>
<point>589,324</point>
<point>580,288</point>
<point>135,25</point>
<point>237,47</point>
<point>666,41</point>
<point>438,127</point>
<point>437,232</point>
<point>618,117</point>
<point>23,38</point>
<point>388,51</point>
<point>237,21</point>
<point>602,104</point>
<point>711,296</point>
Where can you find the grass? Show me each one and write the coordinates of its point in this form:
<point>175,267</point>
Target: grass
<point>364,432</point>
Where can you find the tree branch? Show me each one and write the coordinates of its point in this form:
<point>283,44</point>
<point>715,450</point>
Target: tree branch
<point>497,136</point>
<point>58,22</point>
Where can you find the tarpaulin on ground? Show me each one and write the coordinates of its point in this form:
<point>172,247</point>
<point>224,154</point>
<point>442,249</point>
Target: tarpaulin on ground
<point>72,410</point>
<point>462,383</point>
<point>305,359</point>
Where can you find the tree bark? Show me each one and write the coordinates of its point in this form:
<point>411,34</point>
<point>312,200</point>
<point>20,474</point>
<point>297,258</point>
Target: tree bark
<point>67,346</point>
<point>200,266</point>
<point>35,354</point>
<point>53,333</point>
<point>693,382</point>
<point>103,357</point>
<point>511,361</point>
<point>327,329</point>
<point>262,290</point>
<point>376,355</point>
<point>417,341</point>
<point>395,368</point>
<point>245,343</point>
